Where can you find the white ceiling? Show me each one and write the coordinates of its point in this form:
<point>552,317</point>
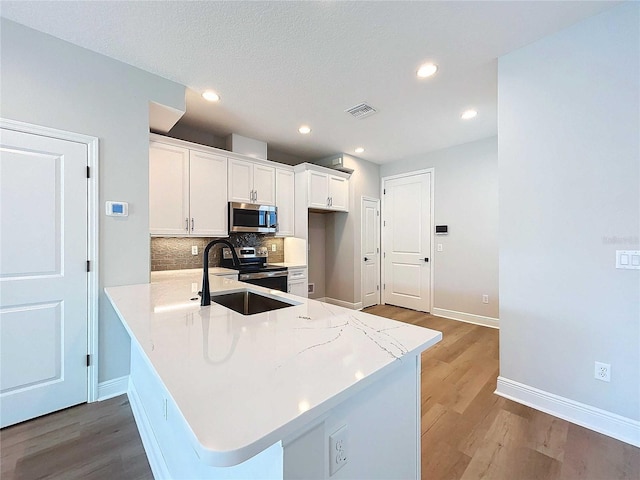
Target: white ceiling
<point>278,65</point>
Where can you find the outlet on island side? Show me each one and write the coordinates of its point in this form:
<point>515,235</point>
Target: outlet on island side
<point>485,298</point>
<point>338,446</point>
<point>602,372</point>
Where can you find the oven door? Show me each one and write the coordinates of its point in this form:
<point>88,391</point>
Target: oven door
<point>272,280</point>
<point>246,217</point>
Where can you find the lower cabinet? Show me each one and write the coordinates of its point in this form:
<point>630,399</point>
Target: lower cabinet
<point>298,282</point>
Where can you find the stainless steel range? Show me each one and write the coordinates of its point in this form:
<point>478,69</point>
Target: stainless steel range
<point>255,269</point>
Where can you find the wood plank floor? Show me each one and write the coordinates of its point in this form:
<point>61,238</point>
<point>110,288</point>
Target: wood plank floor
<point>467,431</point>
<point>470,433</point>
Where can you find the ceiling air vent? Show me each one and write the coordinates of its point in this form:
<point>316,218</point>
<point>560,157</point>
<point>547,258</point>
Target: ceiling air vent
<point>360,111</point>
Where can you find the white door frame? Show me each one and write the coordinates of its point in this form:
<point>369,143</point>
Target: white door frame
<point>431,201</point>
<point>378,234</point>
<point>93,208</point>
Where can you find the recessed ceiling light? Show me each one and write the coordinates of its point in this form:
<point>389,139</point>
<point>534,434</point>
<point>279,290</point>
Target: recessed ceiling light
<point>427,70</point>
<point>468,114</point>
<point>211,96</point>
<point>359,150</point>
<point>304,129</point>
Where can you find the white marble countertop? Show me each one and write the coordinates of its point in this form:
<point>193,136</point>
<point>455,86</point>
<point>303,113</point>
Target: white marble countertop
<point>244,383</point>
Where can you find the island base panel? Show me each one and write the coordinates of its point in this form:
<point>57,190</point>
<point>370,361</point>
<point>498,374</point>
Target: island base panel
<point>383,438</point>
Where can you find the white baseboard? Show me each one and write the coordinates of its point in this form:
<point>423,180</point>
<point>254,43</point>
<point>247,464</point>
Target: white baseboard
<point>342,303</point>
<point>466,317</point>
<point>149,442</point>
<point>113,388</point>
<point>622,428</point>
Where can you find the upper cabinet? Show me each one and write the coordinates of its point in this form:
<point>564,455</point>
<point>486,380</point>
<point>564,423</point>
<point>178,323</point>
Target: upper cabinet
<point>327,190</point>
<point>187,192</point>
<point>252,182</point>
<point>285,195</point>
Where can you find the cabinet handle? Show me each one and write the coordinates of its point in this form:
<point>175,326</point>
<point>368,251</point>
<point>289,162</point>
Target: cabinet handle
<point>331,201</point>
<point>255,195</point>
<point>193,224</point>
<point>186,226</point>
<point>328,201</point>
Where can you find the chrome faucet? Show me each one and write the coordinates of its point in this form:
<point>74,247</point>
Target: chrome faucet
<point>206,294</point>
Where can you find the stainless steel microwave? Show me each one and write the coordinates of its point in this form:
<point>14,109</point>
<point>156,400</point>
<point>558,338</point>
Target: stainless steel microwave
<point>247,217</point>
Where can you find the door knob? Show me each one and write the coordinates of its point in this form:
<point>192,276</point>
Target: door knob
<point>426,259</point>
<point>365,259</point>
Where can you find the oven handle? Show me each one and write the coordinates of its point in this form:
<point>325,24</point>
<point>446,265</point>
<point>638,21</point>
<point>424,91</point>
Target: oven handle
<point>256,275</point>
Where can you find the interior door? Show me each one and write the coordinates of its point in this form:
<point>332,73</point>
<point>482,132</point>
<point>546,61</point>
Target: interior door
<point>43,275</point>
<point>370,252</point>
<point>407,241</point>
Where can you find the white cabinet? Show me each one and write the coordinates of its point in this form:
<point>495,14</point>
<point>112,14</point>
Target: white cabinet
<point>285,190</point>
<point>187,192</point>
<point>327,191</point>
<point>298,281</point>
<point>251,182</point>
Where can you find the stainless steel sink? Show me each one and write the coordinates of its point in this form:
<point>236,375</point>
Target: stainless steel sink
<point>248,303</point>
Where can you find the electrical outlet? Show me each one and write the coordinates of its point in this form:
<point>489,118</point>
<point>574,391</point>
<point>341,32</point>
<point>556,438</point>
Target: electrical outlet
<point>485,298</point>
<point>194,249</point>
<point>602,372</point>
<point>338,449</point>
<point>273,247</point>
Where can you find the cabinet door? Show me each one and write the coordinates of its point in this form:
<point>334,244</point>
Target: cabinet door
<point>339,193</point>
<point>208,194</point>
<point>168,190</point>
<point>285,202</point>
<point>240,181</point>
<point>318,190</point>
<point>299,288</point>
<point>264,184</point>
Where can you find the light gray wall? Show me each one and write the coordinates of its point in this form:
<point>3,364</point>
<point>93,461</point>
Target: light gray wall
<point>569,182</point>
<point>48,82</point>
<point>465,199</point>
<point>317,253</point>
<point>343,235</point>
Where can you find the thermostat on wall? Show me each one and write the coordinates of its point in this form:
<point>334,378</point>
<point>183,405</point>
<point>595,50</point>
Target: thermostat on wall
<point>117,209</point>
<point>442,229</point>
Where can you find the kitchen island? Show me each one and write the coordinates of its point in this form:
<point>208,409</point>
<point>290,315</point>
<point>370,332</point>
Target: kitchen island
<point>217,394</point>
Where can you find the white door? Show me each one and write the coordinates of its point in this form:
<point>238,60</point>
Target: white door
<point>168,189</point>
<point>43,275</point>
<point>264,185</point>
<point>338,193</point>
<point>208,194</point>
<point>370,252</point>
<point>318,189</point>
<point>240,181</point>
<point>407,241</point>
<point>285,198</point>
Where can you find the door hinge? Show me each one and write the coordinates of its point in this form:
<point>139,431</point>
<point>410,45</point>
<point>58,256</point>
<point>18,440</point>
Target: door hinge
<point>88,265</point>
<point>88,360</point>
<point>384,191</point>
<point>384,286</point>
<point>88,172</point>
<point>384,255</point>
<point>384,223</point>
<point>377,213</point>
<point>377,250</point>
<point>377,287</point>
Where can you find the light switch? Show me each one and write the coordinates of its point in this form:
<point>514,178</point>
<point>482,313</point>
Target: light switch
<point>628,259</point>
<point>439,247</point>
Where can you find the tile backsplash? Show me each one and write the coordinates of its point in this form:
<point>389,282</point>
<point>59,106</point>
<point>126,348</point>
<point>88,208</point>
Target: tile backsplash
<point>174,253</point>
